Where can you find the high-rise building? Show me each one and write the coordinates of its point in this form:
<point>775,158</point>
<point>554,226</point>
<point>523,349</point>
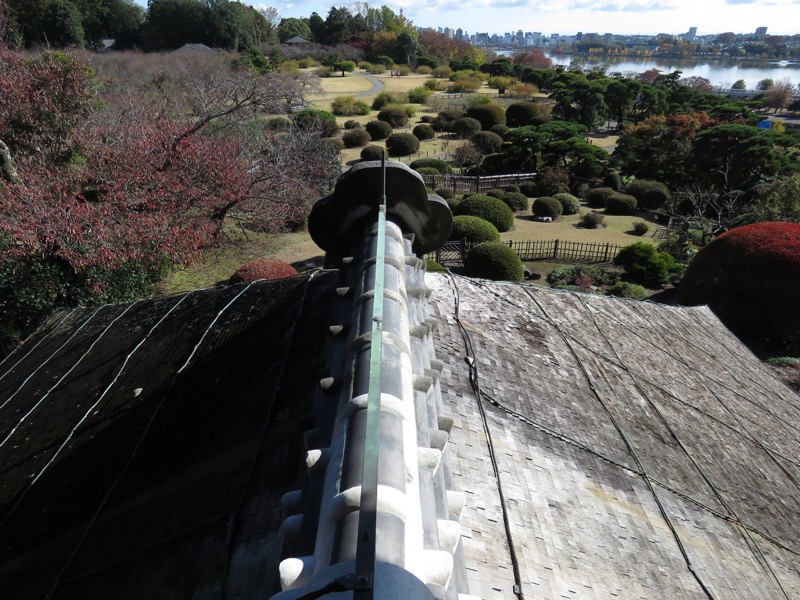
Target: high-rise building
<point>761,31</point>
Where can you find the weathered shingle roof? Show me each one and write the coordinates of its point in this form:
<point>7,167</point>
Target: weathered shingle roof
<point>632,441</point>
<point>147,446</point>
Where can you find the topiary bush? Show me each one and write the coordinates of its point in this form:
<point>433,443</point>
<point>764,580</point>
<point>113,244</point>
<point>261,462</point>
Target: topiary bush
<point>570,204</point>
<point>353,124</point>
<point>356,138</point>
<point>596,198</point>
<point>488,115</point>
<point>500,130</point>
<point>394,116</point>
<point>384,99</point>
<point>750,277</point>
<point>547,207</point>
<point>322,121</point>
<point>651,195</point>
<point>379,130</point>
<point>263,268</point>
<point>620,204</point>
<point>445,119</point>
<point>372,153</point>
<point>419,95</point>
<point>423,131</point>
<point>344,106</point>
<point>493,260</point>
<point>515,201</point>
<point>646,265</point>
<point>511,188</point>
<point>640,228</point>
<point>402,144</point>
<point>486,142</point>
<point>613,180</point>
<point>520,114</point>
<point>427,171</point>
<point>466,127</point>
<point>623,289</point>
<point>495,192</point>
<point>528,188</point>
<point>437,163</point>
<point>591,220</point>
<point>491,209</point>
<point>473,229</point>
<point>445,193</point>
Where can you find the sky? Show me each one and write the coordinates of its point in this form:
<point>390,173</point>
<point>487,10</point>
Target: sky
<point>567,17</point>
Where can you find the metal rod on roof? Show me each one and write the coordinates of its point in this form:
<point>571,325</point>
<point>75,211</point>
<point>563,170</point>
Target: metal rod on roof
<point>367,518</point>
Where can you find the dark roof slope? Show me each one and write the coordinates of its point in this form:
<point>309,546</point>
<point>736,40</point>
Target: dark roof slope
<point>632,440</point>
<point>144,448</point>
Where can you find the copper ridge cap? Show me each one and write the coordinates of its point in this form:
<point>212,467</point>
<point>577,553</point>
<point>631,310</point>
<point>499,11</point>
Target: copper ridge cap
<point>336,218</point>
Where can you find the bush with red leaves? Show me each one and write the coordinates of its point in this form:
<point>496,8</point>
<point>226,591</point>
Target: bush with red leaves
<point>263,268</point>
<point>750,278</point>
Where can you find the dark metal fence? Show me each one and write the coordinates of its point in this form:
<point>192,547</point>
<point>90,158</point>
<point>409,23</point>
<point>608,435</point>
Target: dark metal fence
<point>452,253</point>
<point>461,184</point>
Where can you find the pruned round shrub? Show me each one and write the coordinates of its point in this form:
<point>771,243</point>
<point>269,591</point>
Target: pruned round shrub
<point>372,153</point>
<point>650,194</point>
<point>466,127</point>
<point>591,220</point>
<point>353,124</point>
<point>494,192</point>
<point>491,209</point>
<point>473,229</point>
<point>322,121</point>
<point>570,204</point>
<point>500,130</point>
<point>344,106</point>
<point>428,171</point>
<point>384,99</point>
<point>394,116</point>
<point>445,119</point>
<point>547,207</point>
<point>640,228</point>
<point>620,204</point>
<point>515,201</point>
<point>520,114</point>
<point>486,142</point>
<point>493,260</point>
<point>750,277</point>
<point>614,181</point>
<point>511,188</point>
<point>488,115</point>
<point>379,130</point>
<point>356,138</point>
<point>423,131</point>
<point>624,289</point>
<point>263,268</point>
<point>402,144</point>
<point>446,193</point>
<point>646,265</point>
<point>528,188</point>
<point>437,163</point>
<point>596,198</point>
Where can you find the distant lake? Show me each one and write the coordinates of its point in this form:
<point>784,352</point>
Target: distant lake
<point>720,72</point>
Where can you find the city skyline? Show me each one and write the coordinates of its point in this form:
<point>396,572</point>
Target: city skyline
<point>624,17</point>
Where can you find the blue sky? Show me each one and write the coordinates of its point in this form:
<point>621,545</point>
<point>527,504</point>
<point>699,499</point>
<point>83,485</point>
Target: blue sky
<point>570,16</point>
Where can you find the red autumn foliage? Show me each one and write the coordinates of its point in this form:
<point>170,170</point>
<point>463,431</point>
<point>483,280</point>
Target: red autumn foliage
<point>263,268</point>
<point>750,277</point>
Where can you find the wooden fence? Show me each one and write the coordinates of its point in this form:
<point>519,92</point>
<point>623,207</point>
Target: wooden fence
<point>452,253</point>
<point>461,184</point>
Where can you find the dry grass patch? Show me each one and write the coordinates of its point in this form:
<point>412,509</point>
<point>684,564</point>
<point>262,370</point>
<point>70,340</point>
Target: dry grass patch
<point>401,84</point>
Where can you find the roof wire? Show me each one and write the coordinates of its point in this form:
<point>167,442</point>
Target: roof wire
<point>628,444</point>
<point>474,382</point>
<point>19,348</point>
<point>746,534</point>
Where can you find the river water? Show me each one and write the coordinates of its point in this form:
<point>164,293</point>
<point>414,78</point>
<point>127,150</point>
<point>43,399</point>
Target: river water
<point>719,73</point>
